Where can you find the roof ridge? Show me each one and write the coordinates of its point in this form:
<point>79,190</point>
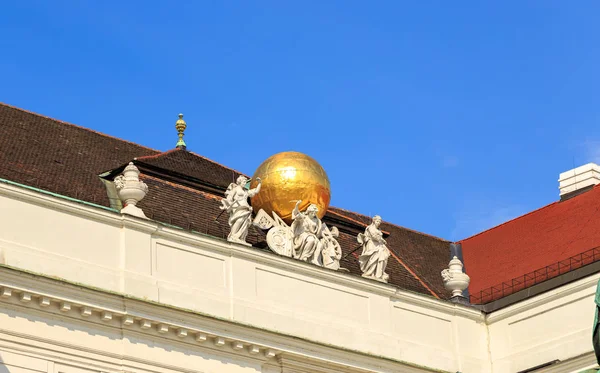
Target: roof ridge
<point>217,163</point>
<point>76,125</point>
<point>393,224</point>
<point>154,156</point>
<point>142,158</point>
<point>346,217</point>
<point>179,186</point>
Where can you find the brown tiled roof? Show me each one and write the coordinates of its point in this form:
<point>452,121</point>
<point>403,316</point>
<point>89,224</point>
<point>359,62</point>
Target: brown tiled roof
<point>59,157</point>
<point>184,190</point>
<point>185,163</point>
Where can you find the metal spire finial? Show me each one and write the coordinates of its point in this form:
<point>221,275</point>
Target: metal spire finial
<point>180,126</point>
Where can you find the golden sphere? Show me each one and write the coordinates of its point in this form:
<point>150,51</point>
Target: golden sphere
<point>288,177</point>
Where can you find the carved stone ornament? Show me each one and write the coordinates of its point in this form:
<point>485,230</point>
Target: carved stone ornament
<point>240,212</point>
<point>374,257</point>
<point>280,239</point>
<point>131,190</point>
<point>332,251</point>
<point>263,221</point>
<point>307,239</point>
<point>454,278</point>
<point>94,311</point>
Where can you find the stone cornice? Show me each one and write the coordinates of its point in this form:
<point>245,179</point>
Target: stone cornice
<point>294,364</point>
<point>448,308</point>
<point>22,289</point>
<point>571,365</point>
<point>114,310</point>
<point>60,203</point>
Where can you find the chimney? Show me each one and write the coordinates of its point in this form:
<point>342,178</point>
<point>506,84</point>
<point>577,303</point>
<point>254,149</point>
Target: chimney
<point>578,180</point>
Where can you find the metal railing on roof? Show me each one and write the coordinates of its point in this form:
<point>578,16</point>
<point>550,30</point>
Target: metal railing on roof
<point>504,289</point>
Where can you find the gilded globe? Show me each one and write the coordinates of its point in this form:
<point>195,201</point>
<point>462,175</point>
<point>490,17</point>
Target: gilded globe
<point>288,177</point>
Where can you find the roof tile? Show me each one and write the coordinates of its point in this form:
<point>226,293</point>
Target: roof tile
<point>540,238</point>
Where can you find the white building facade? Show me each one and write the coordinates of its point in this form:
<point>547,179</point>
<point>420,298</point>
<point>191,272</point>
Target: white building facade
<point>84,288</point>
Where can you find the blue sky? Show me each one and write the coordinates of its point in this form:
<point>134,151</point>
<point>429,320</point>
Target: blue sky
<point>444,117</point>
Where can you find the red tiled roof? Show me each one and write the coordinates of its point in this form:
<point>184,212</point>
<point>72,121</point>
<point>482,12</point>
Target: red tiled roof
<point>67,159</point>
<point>540,238</point>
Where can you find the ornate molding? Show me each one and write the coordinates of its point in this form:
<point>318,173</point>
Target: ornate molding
<point>99,314</point>
<point>572,365</point>
<point>23,290</point>
<point>445,307</point>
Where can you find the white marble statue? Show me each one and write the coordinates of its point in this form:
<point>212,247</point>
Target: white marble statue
<point>240,212</point>
<point>307,230</point>
<point>375,253</point>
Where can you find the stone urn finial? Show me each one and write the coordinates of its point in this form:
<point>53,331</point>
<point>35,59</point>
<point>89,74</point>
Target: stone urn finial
<point>131,190</point>
<point>454,278</point>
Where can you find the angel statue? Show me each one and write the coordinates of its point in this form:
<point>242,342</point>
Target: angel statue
<point>307,231</point>
<point>240,212</point>
<point>375,253</point>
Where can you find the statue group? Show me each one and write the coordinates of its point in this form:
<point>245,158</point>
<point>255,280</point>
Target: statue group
<point>313,241</point>
<point>307,239</point>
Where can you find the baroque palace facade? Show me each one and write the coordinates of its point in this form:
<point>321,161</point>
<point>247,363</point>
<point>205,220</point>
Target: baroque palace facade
<point>93,280</point>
